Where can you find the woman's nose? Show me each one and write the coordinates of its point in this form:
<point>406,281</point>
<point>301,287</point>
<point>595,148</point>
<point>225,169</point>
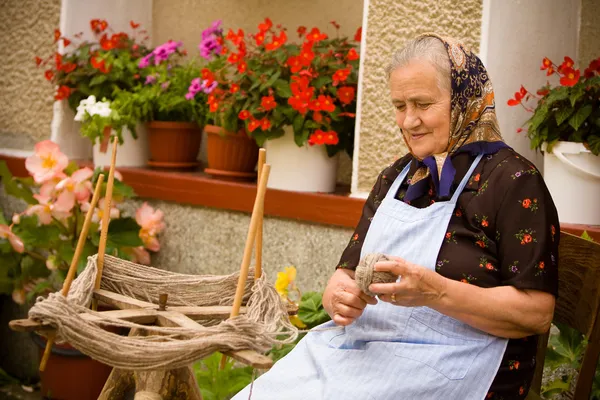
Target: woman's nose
<point>411,120</point>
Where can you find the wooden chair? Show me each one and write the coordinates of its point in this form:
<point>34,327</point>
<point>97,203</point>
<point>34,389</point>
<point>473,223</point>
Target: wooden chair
<point>578,305</point>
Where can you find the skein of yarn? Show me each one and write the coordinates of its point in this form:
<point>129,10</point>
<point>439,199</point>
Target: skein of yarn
<point>365,275</point>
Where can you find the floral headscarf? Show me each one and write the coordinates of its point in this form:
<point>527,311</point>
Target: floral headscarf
<point>473,124</point>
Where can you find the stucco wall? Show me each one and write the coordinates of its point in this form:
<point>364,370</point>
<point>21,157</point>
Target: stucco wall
<point>390,24</point>
<point>589,32</point>
<point>26,29</point>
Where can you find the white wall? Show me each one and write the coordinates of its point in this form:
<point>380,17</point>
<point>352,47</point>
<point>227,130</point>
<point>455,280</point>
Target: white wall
<point>75,17</point>
<point>516,36</point>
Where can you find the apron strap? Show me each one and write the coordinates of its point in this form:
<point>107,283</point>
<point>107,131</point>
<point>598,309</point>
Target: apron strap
<point>464,181</point>
<point>391,194</point>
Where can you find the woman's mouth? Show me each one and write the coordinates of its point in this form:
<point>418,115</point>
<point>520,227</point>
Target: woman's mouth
<point>417,136</point>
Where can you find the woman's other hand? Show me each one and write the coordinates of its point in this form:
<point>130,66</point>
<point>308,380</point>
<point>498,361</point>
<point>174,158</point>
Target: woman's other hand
<point>343,300</point>
<point>418,286</point>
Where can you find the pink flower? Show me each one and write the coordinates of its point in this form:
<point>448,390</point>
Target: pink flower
<point>140,255</point>
<point>47,188</point>
<point>47,162</point>
<point>43,210</point>
<point>14,240</point>
<point>76,187</point>
<point>99,211</point>
<point>151,225</point>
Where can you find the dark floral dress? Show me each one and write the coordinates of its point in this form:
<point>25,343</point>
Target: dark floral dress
<point>504,231</point>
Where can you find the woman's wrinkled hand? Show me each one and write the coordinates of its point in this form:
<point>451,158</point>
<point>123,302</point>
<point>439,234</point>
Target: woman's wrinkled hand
<point>343,300</point>
<point>418,286</point>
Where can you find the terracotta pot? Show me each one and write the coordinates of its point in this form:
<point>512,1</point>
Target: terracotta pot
<point>174,144</point>
<point>230,154</point>
<point>70,374</point>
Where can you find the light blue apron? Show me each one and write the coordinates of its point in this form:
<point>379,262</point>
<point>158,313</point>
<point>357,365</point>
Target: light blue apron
<point>392,352</point>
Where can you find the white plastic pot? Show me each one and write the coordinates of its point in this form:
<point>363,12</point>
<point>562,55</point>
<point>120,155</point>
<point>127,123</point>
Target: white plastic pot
<point>301,169</point>
<point>132,153</point>
<point>572,174</point>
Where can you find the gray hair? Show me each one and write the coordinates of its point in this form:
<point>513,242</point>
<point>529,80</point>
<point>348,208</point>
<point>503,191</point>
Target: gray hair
<point>428,48</point>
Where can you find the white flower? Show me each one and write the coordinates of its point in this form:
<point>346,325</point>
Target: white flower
<point>101,108</point>
<point>84,105</point>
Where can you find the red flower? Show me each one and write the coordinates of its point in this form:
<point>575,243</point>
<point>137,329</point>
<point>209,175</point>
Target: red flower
<point>526,203</point>
<point>458,213</point>
<point>593,68</point>
<point>317,116</point>
<point>97,63</point>
<point>340,75</point>
<point>259,38</point>
<point>480,243</point>
<point>295,64</point>
<point>242,67</point>
<point>315,35</point>
<point>244,115</point>
<point>552,230</point>
<point>58,60</point>
<point>484,223</point>
<point>224,50</point>
<point>566,65</point>
<point>541,265</point>
<point>265,124</point>
<point>49,74</point>
<point>489,266</point>
<point>550,71</point>
<point>352,55</point>
<point>63,92</point>
<point>265,26</point>
<point>335,24</point>
<point>326,103</point>
<point>306,54</point>
<point>277,42</point>
<point>234,88</point>
<point>543,92</point>
<point>358,34</point>
<point>214,106</point>
<point>106,43</point>
<point>236,39</point>
<point>56,35</point>
<point>546,63</point>
<point>68,67</point>
<point>206,74</point>
<point>38,60</point>
<point>355,237</point>
<point>318,138</point>
<point>519,130</point>
<point>527,238</point>
<point>332,138</point>
<point>268,103</point>
<point>66,42</point>
<point>133,25</point>
<point>448,235</point>
<point>516,364</point>
<point>253,125</point>
<point>301,31</point>
<point>346,94</point>
<point>477,177</point>
<point>518,97</point>
<point>233,58</point>
<point>570,78</point>
<point>98,25</point>
<point>521,390</point>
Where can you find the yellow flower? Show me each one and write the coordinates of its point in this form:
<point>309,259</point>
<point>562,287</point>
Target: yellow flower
<point>297,322</point>
<point>285,278</point>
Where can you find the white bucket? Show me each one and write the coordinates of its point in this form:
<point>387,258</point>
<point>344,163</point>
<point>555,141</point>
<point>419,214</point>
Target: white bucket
<point>301,169</point>
<point>132,153</point>
<point>572,174</point>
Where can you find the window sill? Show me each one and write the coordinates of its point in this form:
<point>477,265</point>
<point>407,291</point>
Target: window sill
<point>199,189</point>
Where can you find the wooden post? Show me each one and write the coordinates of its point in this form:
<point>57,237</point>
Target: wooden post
<point>257,212</point>
<point>73,267</point>
<point>262,155</point>
<point>105,220</point>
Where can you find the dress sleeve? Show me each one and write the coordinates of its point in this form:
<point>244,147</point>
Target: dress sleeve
<point>527,231</point>
<point>351,255</point>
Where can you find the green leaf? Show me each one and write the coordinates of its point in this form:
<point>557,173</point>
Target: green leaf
<point>580,116</point>
<point>282,88</point>
<point>311,311</point>
<point>556,95</point>
<point>578,91</point>
<point>298,124</point>
<point>563,114</point>
<point>559,385</point>
<point>97,80</point>
<point>36,236</point>
<point>321,81</point>
<point>271,81</point>
<point>13,187</point>
<point>72,167</point>
<point>2,220</point>
<point>539,116</point>
<point>124,232</point>
<point>587,236</point>
<point>565,348</point>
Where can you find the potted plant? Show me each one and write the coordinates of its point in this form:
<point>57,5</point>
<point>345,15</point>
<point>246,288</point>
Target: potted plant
<point>298,100</point>
<point>99,68</point>
<point>37,245</point>
<point>566,125</point>
<point>174,118</point>
<point>231,152</point>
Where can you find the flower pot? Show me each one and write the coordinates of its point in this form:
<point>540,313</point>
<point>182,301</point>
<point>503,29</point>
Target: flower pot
<point>230,154</point>
<point>302,169</point>
<point>132,153</point>
<point>572,174</point>
<point>174,144</point>
<point>70,374</point>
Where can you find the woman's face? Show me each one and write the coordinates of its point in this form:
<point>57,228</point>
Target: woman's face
<point>422,108</point>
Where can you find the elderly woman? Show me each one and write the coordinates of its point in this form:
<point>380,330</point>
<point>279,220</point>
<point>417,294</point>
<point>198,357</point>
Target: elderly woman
<point>471,230</point>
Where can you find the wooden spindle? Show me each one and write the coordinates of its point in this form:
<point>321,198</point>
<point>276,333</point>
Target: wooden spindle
<point>262,156</point>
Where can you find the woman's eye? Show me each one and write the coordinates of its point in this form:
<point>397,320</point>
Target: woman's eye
<point>423,105</point>
<point>400,107</point>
